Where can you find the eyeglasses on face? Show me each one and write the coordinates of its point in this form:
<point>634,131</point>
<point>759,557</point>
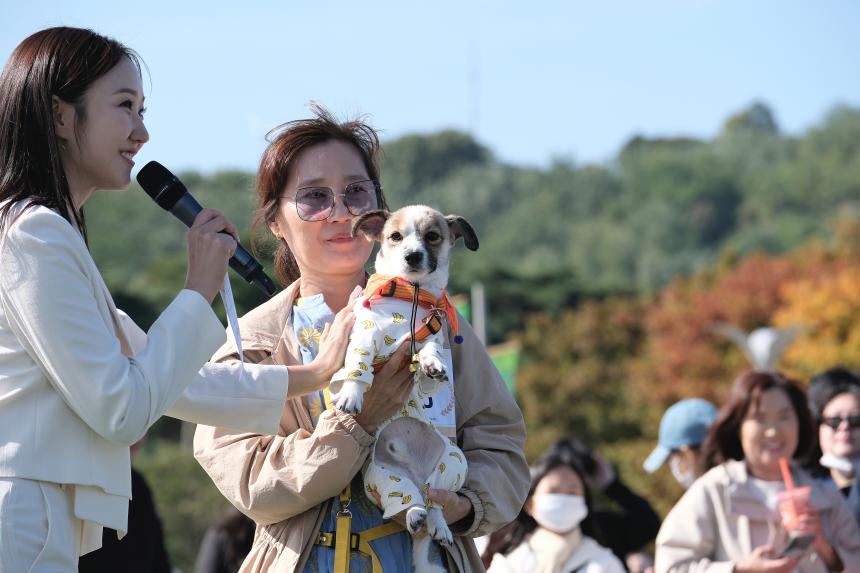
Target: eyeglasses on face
<point>317,203</point>
<point>835,421</point>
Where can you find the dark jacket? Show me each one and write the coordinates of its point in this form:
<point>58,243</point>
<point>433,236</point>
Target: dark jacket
<point>142,549</point>
<point>631,528</point>
<point>854,499</point>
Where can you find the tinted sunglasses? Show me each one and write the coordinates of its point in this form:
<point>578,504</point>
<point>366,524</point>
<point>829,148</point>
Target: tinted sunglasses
<point>836,421</point>
<point>317,203</point>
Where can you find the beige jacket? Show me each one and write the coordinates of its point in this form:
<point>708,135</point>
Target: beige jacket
<point>285,482</point>
<point>720,520</point>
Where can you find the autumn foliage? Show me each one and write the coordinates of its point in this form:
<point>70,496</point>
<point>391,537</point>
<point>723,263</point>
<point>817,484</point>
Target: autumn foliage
<point>607,370</point>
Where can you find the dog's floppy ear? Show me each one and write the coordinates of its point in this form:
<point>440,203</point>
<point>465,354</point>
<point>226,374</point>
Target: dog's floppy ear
<point>460,227</point>
<point>371,224</point>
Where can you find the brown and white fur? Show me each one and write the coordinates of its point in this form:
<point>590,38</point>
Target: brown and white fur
<point>415,245</point>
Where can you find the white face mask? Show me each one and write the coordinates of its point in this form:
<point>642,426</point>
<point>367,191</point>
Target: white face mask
<point>848,466</point>
<point>558,512</point>
<point>686,479</point>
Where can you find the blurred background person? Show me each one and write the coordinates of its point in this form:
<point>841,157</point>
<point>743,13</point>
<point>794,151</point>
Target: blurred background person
<point>834,399</point>
<point>634,523</point>
<point>226,544</point>
<point>556,531</point>
<point>682,432</point>
<point>142,549</point>
<point>729,519</point>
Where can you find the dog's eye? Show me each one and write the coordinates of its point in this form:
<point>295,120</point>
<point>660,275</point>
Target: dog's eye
<point>395,237</point>
<point>433,237</point>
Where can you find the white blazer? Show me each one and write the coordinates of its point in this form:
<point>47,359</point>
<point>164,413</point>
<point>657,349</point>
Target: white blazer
<point>80,382</point>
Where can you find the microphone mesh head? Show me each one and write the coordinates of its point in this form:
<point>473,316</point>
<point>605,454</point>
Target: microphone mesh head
<point>160,184</point>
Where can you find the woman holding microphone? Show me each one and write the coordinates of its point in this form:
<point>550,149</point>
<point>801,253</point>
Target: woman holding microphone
<point>79,382</point>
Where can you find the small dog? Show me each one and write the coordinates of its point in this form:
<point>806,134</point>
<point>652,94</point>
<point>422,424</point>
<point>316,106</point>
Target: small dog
<point>406,298</point>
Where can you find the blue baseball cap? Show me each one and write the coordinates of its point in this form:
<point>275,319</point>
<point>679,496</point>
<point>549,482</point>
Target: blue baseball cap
<point>685,423</point>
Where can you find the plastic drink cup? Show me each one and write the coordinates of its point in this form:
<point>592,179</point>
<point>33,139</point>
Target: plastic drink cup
<point>793,503</point>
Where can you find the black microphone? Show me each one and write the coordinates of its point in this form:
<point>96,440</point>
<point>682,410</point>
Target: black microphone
<point>171,195</point>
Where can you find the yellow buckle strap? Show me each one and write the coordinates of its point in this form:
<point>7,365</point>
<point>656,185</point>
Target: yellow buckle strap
<point>343,530</point>
<point>345,541</point>
<point>356,540</point>
<point>379,531</point>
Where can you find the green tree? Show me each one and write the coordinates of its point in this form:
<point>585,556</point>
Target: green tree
<point>575,379</point>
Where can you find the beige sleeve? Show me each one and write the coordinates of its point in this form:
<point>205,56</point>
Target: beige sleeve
<point>844,533</point>
<point>491,433</point>
<point>273,478</point>
<point>687,537</point>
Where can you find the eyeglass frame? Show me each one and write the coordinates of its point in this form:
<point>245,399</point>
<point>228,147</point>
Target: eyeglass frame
<point>377,188</point>
<point>853,421</point>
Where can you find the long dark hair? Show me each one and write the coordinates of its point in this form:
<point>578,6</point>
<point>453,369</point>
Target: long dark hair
<point>62,62</point>
<point>237,537</point>
<point>823,388</point>
<point>525,523</point>
<point>286,142</point>
<point>723,441</point>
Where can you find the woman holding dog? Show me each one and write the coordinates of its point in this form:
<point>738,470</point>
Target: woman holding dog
<point>315,178</point>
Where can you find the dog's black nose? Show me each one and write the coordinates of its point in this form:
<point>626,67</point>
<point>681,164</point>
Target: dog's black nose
<point>414,257</point>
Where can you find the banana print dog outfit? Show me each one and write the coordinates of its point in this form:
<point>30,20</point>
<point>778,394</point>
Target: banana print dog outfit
<point>382,324</point>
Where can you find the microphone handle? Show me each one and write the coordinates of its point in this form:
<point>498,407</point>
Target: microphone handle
<point>186,210</point>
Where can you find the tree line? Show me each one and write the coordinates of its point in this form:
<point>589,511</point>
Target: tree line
<point>608,276</point>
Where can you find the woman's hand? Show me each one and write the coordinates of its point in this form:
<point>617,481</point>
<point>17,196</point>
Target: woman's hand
<point>332,346</point>
<point>391,385</point>
<point>454,506</point>
<point>810,522</point>
<point>211,242</point>
<point>763,560</point>
<point>316,375</point>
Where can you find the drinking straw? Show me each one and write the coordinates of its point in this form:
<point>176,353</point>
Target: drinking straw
<point>786,474</point>
<point>789,483</point>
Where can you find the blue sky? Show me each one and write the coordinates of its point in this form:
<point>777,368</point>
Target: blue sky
<point>531,80</point>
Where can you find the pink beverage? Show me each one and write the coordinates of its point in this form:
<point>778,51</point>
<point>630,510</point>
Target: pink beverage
<point>793,503</point>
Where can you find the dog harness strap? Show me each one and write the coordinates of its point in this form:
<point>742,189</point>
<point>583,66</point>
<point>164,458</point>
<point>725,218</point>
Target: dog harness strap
<point>450,313</point>
<point>396,287</point>
<point>389,289</point>
<point>416,291</point>
<point>380,286</point>
<point>343,532</point>
<point>359,542</point>
<point>368,535</point>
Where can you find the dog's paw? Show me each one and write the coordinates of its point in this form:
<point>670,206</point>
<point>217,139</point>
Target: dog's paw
<point>416,517</point>
<point>350,398</point>
<point>437,528</point>
<point>434,368</point>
